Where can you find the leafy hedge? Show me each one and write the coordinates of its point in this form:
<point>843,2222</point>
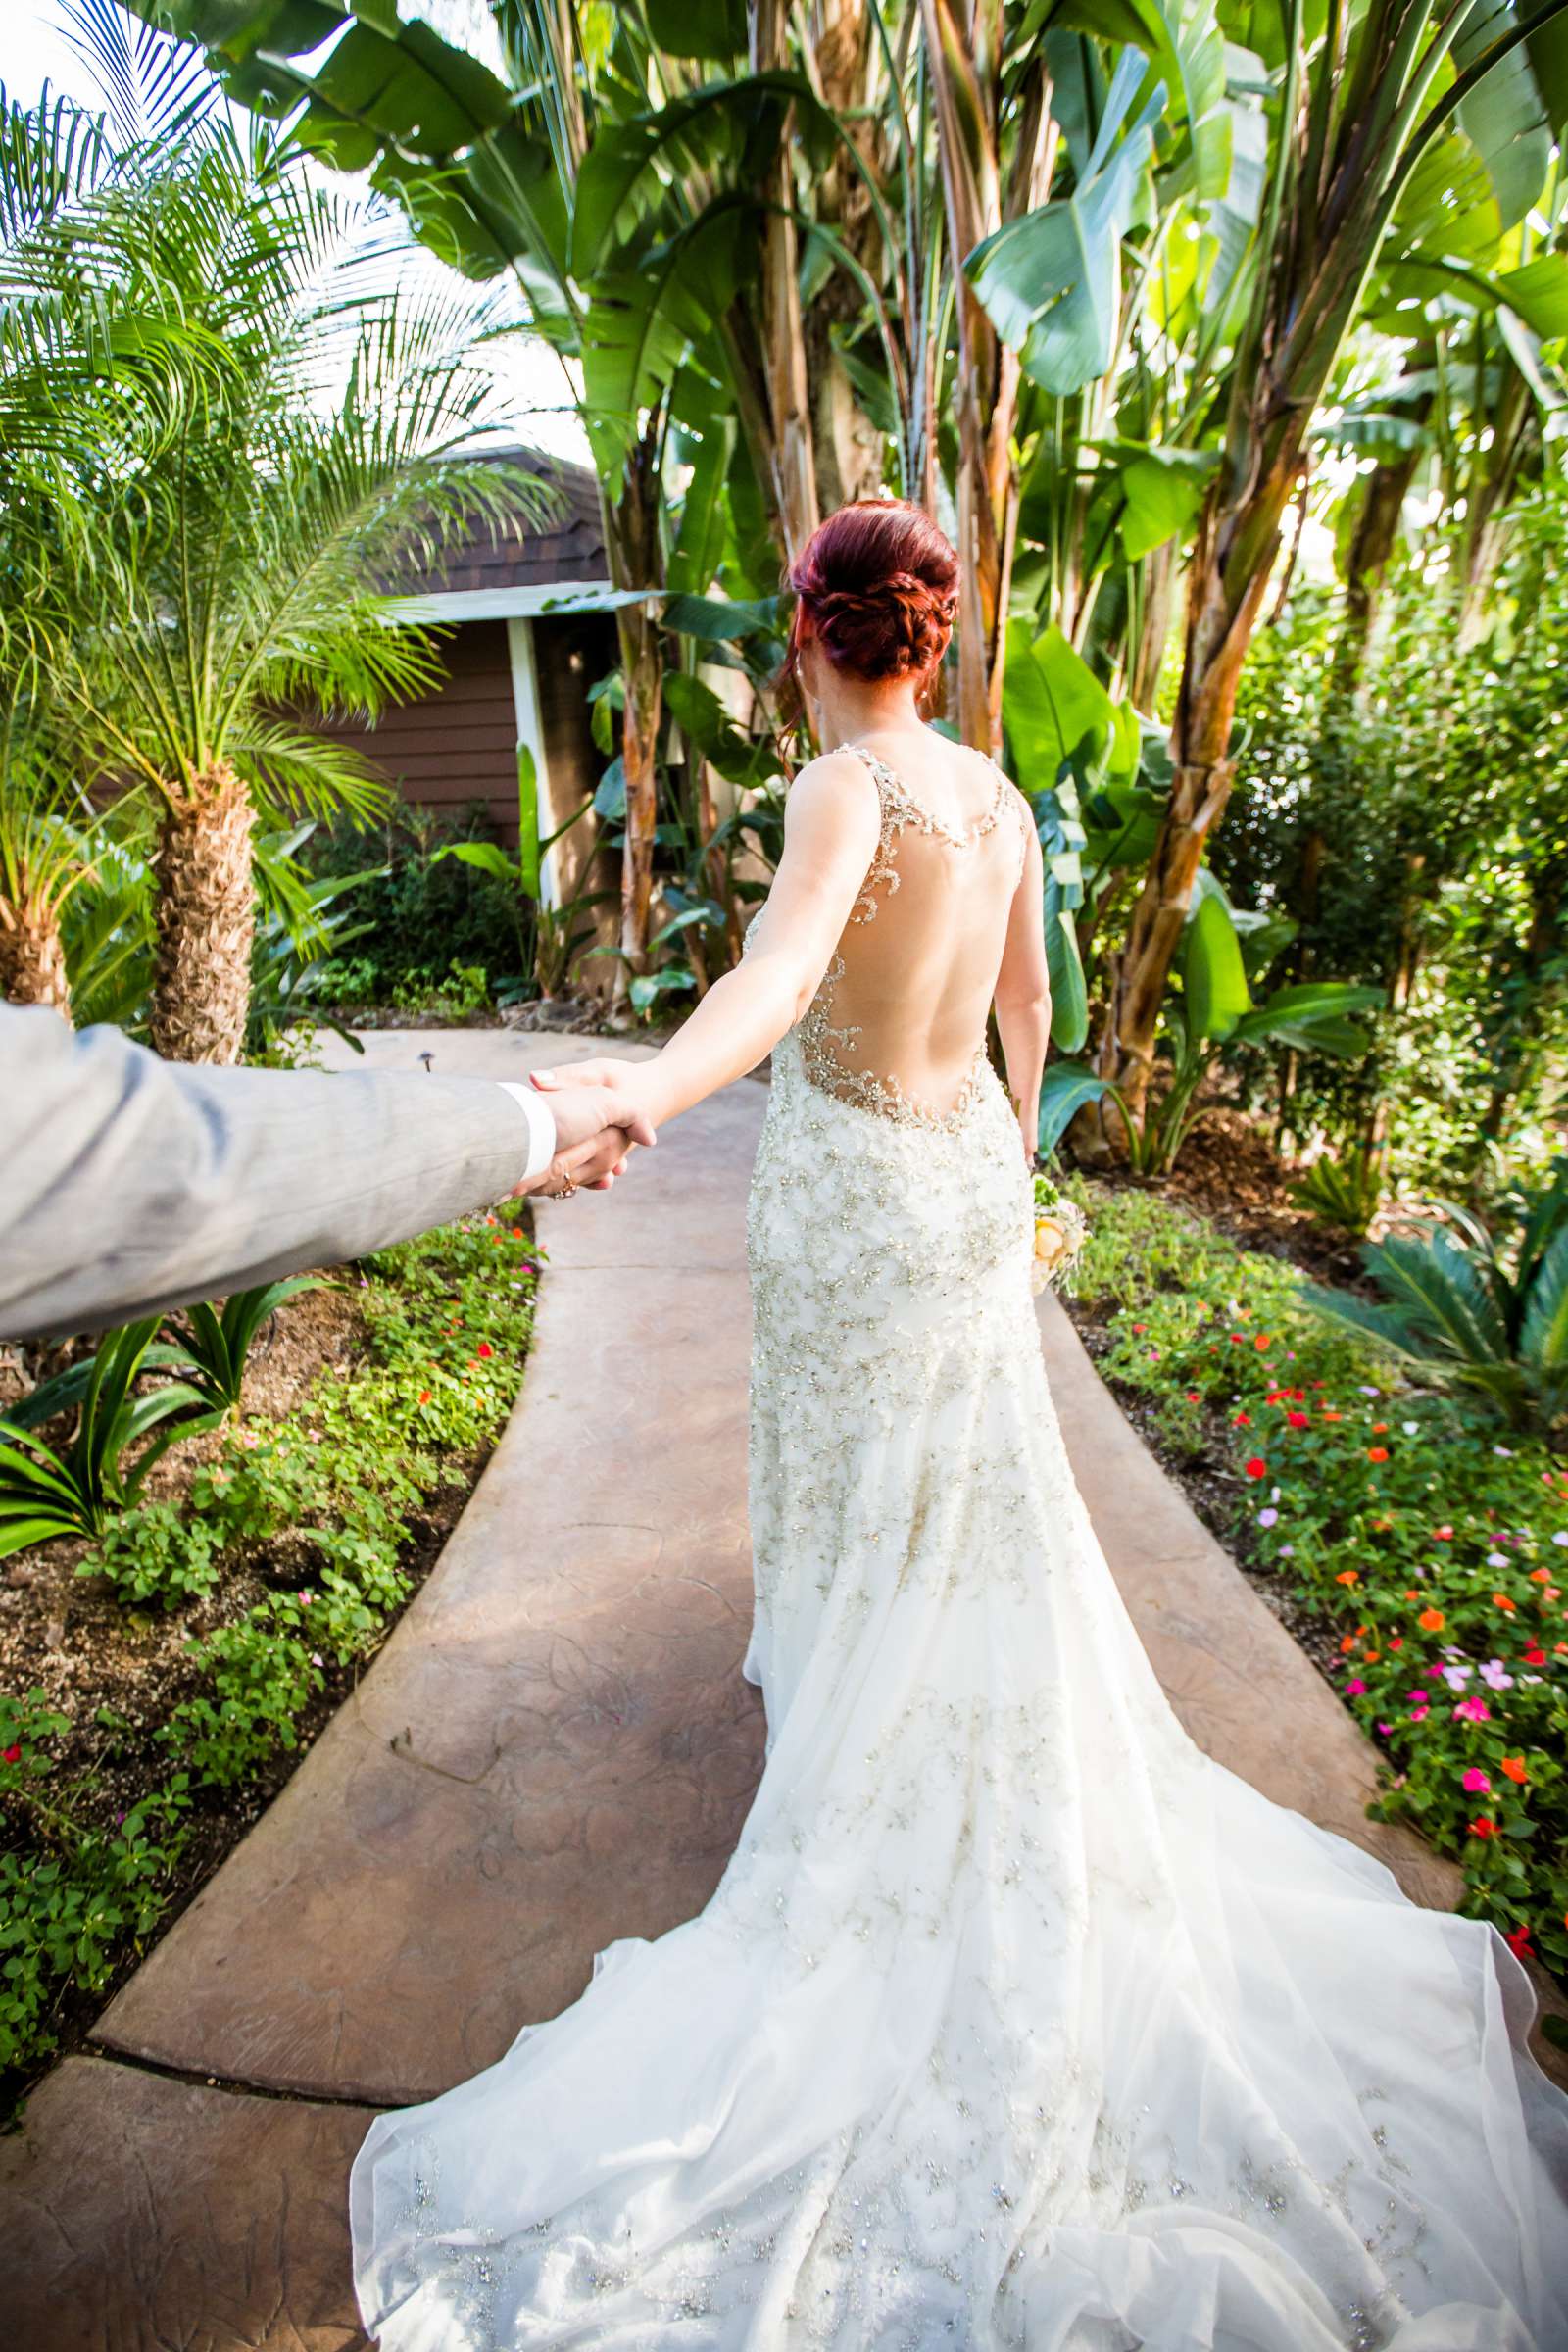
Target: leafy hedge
<point>1436,1543</point>
<point>336,1480</point>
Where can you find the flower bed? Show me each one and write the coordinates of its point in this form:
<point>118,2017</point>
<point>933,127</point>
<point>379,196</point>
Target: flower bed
<point>1430,1544</point>
<point>232,1614</point>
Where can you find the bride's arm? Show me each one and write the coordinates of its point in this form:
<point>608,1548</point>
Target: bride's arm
<point>831,821</point>
<point>1023,993</point>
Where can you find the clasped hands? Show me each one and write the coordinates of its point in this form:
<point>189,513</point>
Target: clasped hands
<point>597,1126</point>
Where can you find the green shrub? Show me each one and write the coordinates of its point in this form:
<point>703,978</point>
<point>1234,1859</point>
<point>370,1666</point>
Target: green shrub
<point>262,1677</point>
<point>1440,1552</point>
<point>156,1552</point>
<point>70,1908</point>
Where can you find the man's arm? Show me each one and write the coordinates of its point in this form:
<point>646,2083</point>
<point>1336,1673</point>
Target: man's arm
<point>128,1184</point>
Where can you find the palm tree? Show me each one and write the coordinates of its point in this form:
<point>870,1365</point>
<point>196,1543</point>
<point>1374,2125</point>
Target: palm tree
<point>217,543</point>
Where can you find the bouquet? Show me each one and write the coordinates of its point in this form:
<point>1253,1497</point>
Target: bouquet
<point>1060,1231</point>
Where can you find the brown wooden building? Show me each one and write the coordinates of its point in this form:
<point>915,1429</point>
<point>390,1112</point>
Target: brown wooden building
<point>528,635</point>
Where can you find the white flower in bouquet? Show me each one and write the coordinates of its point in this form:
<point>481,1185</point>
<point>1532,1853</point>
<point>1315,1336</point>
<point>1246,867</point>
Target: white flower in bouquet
<point>1060,1230</point>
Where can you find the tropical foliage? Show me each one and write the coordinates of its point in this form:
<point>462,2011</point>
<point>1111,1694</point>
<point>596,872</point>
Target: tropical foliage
<point>222,431</point>
<point>1106,289</point>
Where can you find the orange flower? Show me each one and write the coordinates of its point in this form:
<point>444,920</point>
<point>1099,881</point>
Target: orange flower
<point>1377,1453</point>
<point>1349,1576</point>
<point>1327,1416</point>
<point>1372,1656</point>
<point>1431,1620</point>
<point>1263,1340</point>
<point>1540,1576</point>
<point>1347,1646</point>
<point>424,1396</point>
<point>1502,1602</point>
<point>1514,1767</point>
<point>1410,1593</point>
<point>1377,1428</point>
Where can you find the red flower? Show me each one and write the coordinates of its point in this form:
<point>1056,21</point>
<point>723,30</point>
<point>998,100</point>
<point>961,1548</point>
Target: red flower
<point>1481,1827</point>
<point>1242,1421</point>
<point>1518,1942</point>
<point>1299,1420</point>
<point>1192,1396</point>
<point>484,1348</point>
<point>1442,1534</point>
<point>1257,1467</point>
<point>1535,1656</point>
<point>12,1755</point>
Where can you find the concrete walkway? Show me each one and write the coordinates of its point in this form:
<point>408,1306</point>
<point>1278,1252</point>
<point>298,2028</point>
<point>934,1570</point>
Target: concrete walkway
<point>554,1749</point>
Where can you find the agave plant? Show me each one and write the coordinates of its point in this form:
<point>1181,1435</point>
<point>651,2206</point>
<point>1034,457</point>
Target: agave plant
<point>215,1346</point>
<point>44,1493</point>
<point>1345,1189</point>
<point>1471,1307</point>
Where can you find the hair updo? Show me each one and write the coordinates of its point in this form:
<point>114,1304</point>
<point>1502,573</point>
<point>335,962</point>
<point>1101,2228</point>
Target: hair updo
<point>877,588</point>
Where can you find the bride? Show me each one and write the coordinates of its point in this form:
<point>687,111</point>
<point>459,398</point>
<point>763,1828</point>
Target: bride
<point>1014,2021</point>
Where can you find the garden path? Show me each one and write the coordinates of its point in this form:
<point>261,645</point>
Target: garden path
<point>554,1749</point>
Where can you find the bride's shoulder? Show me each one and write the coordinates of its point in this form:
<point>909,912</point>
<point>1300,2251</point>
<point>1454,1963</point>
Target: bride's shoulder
<point>834,792</point>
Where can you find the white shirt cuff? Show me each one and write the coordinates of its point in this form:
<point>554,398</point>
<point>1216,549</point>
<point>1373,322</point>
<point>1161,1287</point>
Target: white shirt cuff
<point>541,1127</point>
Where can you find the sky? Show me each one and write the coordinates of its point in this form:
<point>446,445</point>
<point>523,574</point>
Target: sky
<point>35,49</point>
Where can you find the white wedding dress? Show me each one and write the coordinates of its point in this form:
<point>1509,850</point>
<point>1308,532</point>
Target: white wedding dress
<point>1014,2021</point>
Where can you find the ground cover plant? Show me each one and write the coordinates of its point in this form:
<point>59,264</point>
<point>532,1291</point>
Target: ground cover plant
<point>1421,1541</point>
<point>205,1634</point>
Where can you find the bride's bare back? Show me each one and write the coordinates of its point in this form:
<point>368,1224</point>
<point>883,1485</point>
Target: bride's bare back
<point>898,1023</point>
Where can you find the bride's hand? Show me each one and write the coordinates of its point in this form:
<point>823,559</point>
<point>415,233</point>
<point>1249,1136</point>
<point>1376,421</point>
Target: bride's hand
<point>602,1070</point>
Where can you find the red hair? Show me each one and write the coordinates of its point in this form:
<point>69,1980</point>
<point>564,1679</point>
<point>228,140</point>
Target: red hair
<point>876,587</point>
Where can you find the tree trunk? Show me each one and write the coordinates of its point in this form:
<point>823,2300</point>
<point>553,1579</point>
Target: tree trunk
<point>789,396</point>
<point>1372,544</point>
<point>33,955</point>
<point>849,451</point>
<point>1486,496</point>
<point>1237,544</point>
<point>964,60</point>
<point>206,919</point>
<point>633,549</point>
<point>1153,629</point>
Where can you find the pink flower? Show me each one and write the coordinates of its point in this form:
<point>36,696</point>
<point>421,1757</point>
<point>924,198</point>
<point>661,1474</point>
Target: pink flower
<point>1475,1709</point>
<point>1476,1782</point>
<point>1355,1688</point>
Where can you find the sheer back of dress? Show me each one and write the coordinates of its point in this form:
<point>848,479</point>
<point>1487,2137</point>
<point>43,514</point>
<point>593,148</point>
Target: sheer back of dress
<point>898,1023</point>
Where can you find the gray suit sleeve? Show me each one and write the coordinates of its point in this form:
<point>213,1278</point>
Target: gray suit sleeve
<point>129,1184</point>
